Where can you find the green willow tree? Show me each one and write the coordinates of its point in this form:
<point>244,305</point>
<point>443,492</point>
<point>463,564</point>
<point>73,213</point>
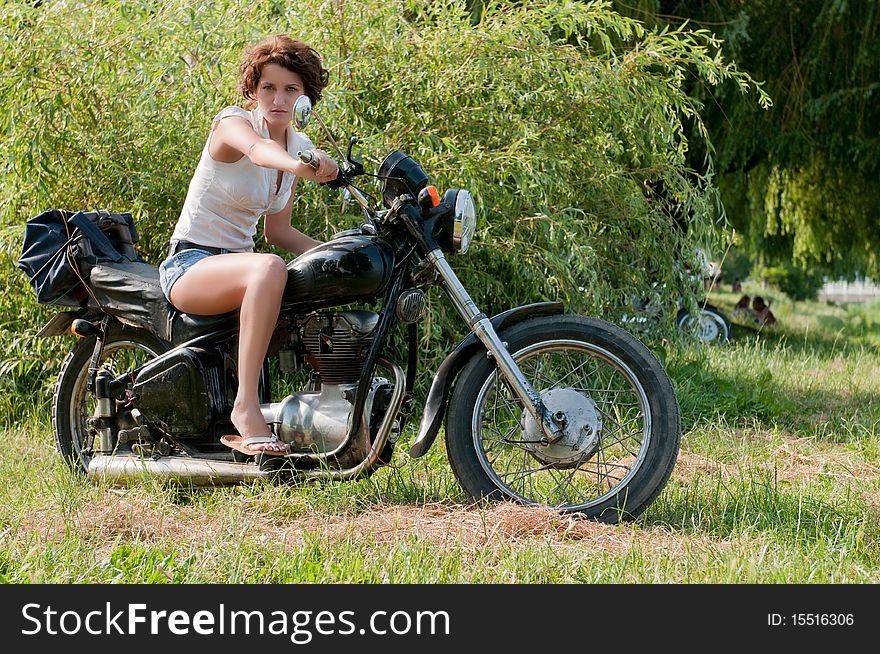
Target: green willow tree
<point>566,120</point>
<point>799,181</point>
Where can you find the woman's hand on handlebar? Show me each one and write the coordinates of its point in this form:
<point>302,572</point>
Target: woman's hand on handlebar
<point>327,168</point>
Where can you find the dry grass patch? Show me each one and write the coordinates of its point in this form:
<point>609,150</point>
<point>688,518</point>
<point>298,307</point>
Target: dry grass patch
<point>872,505</point>
<point>503,525</point>
<point>689,466</point>
<point>109,519</point>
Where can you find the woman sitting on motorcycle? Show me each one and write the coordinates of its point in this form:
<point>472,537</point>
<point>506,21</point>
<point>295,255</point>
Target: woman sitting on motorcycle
<point>248,168</point>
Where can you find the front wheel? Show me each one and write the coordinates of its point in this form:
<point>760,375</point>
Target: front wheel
<point>621,421</point>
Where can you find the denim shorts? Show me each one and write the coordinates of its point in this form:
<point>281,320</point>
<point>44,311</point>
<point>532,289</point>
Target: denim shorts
<point>175,265</point>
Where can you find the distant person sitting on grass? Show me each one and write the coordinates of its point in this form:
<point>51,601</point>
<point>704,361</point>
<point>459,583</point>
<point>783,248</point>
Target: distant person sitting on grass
<point>761,312</point>
<point>741,308</point>
<point>737,286</point>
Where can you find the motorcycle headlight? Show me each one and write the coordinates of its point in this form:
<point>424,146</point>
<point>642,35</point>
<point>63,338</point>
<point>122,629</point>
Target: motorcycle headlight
<point>464,219</point>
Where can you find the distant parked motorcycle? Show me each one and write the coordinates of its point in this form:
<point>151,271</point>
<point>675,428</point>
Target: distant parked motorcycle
<point>540,407</point>
<point>708,324</point>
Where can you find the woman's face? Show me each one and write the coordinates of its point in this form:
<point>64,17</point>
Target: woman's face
<point>277,90</point>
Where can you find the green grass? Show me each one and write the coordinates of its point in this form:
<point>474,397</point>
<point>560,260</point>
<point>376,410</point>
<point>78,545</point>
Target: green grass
<point>778,481</point>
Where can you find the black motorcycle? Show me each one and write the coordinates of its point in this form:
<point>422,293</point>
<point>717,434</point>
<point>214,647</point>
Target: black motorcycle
<point>540,407</point>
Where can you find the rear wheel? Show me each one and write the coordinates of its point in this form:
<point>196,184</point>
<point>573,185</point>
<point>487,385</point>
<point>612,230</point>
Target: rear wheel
<point>124,348</point>
<point>709,325</point>
<point>620,415</point>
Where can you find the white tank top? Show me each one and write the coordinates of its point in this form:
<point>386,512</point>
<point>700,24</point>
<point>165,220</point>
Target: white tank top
<point>225,200</point>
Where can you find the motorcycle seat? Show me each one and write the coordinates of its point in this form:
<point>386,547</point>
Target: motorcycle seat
<point>186,326</point>
<point>130,291</point>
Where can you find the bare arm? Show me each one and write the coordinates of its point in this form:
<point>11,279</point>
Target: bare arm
<point>233,136</point>
<point>278,230</point>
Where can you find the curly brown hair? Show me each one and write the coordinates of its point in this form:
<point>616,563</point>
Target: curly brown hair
<point>293,55</point>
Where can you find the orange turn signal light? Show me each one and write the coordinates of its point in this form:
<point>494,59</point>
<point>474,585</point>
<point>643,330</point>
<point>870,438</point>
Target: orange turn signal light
<point>434,195</point>
<point>82,328</point>
<point>429,197</point>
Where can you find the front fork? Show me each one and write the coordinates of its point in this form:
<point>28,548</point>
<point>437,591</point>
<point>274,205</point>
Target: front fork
<point>551,425</point>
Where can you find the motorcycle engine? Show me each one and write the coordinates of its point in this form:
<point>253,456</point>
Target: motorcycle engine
<point>319,421</point>
<point>336,346</point>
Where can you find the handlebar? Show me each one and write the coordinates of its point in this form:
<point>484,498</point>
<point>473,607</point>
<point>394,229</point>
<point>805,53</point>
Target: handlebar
<point>311,160</point>
<point>308,158</point>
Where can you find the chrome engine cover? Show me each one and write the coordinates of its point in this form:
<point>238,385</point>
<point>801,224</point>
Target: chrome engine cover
<point>319,421</point>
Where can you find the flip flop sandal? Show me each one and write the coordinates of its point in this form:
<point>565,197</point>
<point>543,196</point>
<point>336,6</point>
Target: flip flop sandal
<point>243,445</point>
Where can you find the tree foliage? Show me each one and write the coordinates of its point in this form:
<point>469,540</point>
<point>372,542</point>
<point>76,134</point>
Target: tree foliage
<point>799,181</point>
<point>566,120</point>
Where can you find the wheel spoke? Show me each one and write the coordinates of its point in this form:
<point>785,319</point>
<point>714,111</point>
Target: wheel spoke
<point>621,442</point>
<point>618,438</point>
<point>559,382</point>
<point>529,471</point>
<point>566,481</point>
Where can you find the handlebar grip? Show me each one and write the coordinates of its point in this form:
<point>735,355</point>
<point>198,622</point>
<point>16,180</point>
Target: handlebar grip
<point>337,182</point>
<point>308,158</point>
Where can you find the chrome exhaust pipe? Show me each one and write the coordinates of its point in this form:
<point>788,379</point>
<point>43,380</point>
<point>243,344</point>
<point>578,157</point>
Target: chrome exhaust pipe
<point>119,469</point>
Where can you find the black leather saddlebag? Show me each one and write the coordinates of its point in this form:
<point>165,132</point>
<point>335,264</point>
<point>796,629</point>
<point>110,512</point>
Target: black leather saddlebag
<point>60,247</point>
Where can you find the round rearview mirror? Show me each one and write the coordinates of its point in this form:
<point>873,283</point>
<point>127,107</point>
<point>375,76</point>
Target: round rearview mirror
<point>302,111</point>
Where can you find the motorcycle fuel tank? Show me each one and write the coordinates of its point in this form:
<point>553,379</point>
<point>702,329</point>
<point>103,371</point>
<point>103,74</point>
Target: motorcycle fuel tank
<point>347,269</point>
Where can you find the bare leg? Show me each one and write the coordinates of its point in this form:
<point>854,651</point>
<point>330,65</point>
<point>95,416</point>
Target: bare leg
<point>254,283</point>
